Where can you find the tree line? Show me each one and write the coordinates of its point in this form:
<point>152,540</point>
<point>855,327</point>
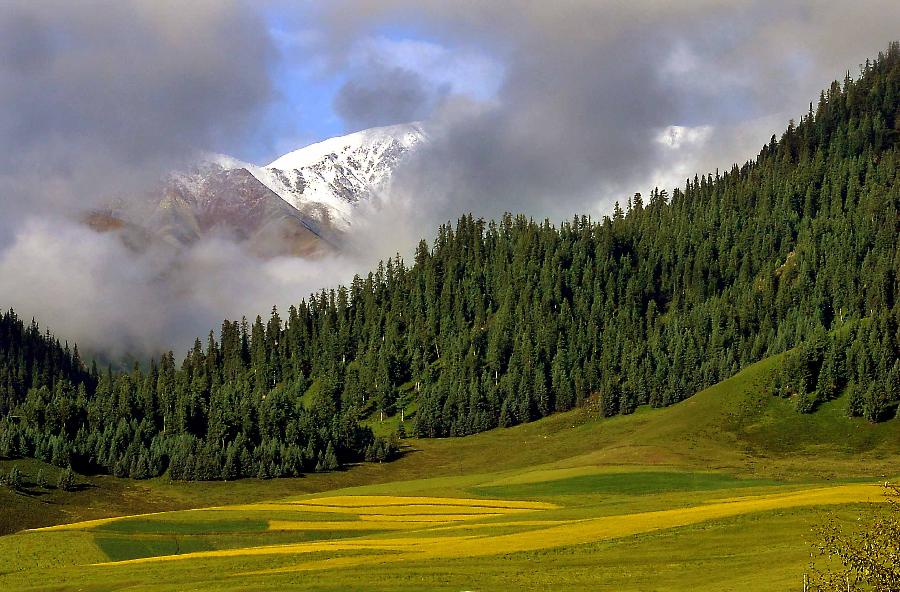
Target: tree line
<point>220,414</point>
<point>502,322</point>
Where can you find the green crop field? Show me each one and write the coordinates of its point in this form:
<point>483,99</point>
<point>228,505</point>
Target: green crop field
<point>719,492</point>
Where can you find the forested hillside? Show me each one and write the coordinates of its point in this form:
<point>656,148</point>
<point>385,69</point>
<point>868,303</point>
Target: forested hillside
<point>503,322</point>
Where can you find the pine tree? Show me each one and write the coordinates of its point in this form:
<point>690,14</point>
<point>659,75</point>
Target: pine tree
<point>14,480</point>
<point>330,462</point>
<point>66,481</point>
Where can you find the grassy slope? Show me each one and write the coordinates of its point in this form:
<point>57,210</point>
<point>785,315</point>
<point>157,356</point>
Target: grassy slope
<point>731,440</point>
<point>733,426</point>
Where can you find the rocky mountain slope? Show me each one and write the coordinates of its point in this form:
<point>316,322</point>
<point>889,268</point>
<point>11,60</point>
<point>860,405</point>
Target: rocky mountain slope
<point>299,204</point>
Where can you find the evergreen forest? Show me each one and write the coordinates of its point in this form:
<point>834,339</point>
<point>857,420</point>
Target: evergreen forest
<point>501,322</point>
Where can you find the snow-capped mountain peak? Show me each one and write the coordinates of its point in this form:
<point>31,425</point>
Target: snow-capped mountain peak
<point>376,143</point>
<point>328,179</point>
<point>300,204</point>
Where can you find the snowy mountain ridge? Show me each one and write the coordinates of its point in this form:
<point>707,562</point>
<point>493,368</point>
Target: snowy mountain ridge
<point>301,204</point>
<point>328,179</point>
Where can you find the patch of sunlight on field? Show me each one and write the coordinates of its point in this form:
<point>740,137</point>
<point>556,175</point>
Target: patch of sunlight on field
<point>281,507</point>
<point>48,550</point>
<point>418,544</point>
<point>337,525</point>
<point>539,475</point>
<point>586,480</point>
<point>516,524</point>
<point>427,518</point>
<point>379,544</point>
<point>89,524</point>
<point>361,501</point>
<point>85,525</point>
<point>378,510</point>
<point>415,510</point>
<point>608,527</point>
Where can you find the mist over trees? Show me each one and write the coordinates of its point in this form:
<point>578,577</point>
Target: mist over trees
<point>227,411</point>
<point>502,322</point>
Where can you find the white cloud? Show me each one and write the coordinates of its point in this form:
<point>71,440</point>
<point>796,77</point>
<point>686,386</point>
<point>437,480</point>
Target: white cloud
<point>675,137</point>
<point>465,70</point>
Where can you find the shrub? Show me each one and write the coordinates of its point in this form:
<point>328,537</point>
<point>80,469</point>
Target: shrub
<point>865,560</point>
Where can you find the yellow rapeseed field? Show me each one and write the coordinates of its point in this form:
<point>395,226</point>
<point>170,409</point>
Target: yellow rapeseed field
<point>418,545</point>
<point>85,525</point>
<point>324,525</point>
<point>358,501</point>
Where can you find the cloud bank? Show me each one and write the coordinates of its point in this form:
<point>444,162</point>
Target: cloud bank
<point>551,109</point>
<point>591,90</point>
<point>102,99</point>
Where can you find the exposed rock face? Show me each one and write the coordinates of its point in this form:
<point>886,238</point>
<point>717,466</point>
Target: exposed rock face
<point>235,204</point>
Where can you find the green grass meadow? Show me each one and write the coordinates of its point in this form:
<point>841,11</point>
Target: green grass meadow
<point>719,492</point>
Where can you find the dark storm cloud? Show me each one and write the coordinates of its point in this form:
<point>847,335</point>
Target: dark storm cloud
<point>592,87</point>
<point>385,95</point>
